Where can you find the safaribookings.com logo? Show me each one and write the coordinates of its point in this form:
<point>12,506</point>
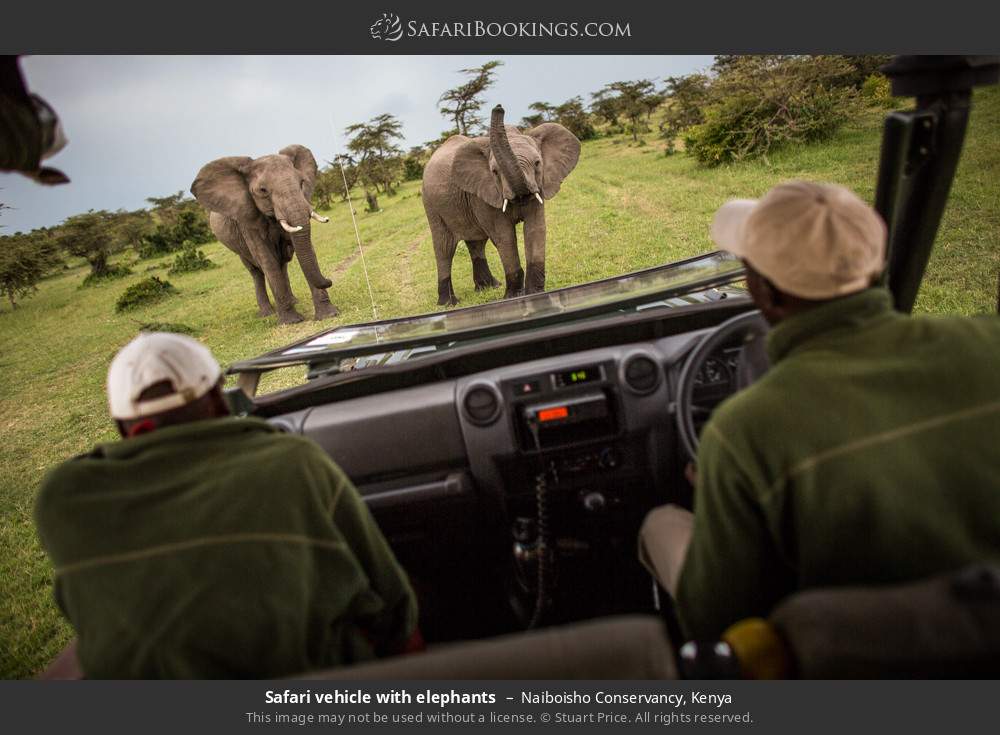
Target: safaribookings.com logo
<point>390,28</point>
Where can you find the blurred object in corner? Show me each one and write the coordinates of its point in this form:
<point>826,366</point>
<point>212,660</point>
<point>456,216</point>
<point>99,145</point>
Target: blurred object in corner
<point>30,130</point>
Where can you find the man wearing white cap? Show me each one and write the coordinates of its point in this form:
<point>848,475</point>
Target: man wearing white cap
<point>867,454</point>
<point>204,545</point>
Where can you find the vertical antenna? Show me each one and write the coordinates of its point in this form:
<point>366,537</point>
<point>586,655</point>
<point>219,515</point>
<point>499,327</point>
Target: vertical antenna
<point>357,235</point>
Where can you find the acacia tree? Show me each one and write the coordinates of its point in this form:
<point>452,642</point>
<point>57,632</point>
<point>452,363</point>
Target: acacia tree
<point>462,104</point>
<point>94,237</point>
<point>605,106</point>
<point>686,97</point>
<point>378,156</point>
<point>326,185</point>
<point>633,99</point>
<point>132,227</point>
<point>168,208</point>
<point>24,261</point>
<point>543,112</point>
<point>346,162</point>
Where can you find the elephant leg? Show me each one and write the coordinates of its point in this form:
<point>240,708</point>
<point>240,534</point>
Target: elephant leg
<point>445,245</point>
<point>276,276</point>
<point>321,304</point>
<point>284,275</point>
<point>481,275</point>
<point>506,243</point>
<point>259,287</point>
<point>534,249</point>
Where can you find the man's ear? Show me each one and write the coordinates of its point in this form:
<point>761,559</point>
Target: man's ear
<point>765,296</point>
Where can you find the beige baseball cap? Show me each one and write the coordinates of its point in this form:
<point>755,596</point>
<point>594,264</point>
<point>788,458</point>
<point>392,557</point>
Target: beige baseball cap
<point>154,357</point>
<point>811,240</point>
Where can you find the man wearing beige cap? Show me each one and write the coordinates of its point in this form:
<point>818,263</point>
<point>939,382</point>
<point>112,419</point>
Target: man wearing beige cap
<point>203,545</point>
<point>867,454</point>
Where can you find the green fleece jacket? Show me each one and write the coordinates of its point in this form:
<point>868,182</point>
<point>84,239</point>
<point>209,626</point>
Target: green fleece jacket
<point>868,454</point>
<point>219,548</point>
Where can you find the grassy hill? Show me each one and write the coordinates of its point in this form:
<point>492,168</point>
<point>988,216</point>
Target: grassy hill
<point>625,207</point>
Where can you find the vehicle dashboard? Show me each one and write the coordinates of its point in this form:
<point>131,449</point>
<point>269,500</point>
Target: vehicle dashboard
<point>450,468</point>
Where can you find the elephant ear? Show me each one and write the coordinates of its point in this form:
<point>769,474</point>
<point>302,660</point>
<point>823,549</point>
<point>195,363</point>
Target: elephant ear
<point>560,151</point>
<point>470,171</point>
<point>302,159</point>
<point>221,186</point>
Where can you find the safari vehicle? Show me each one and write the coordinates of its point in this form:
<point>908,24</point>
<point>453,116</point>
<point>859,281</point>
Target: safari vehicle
<point>509,451</point>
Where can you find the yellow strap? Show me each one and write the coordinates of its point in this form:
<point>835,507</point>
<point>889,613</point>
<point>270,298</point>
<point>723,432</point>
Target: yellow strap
<point>762,653</point>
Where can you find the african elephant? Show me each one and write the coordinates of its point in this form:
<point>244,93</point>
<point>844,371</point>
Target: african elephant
<point>479,188</point>
<point>260,209</point>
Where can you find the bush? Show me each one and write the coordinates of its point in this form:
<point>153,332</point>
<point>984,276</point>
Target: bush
<point>191,225</point>
<point>876,91</point>
<point>763,102</point>
<point>147,291</point>
<point>413,169</point>
<point>189,260</point>
<point>175,327</point>
<point>110,273</point>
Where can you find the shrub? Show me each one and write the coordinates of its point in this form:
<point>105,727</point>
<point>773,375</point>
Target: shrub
<point>763,102</point>
<point>876,91</point>
<point>168,238</point>
<point>190,259</point>
<point>110,273</point>
<point>175,327</point>
<point>413,168</point>
<point>147,291</point>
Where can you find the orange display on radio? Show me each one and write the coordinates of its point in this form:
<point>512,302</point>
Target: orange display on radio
<point>552,414</point>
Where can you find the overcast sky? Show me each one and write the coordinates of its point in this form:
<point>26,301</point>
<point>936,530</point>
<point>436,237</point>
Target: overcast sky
<point>142,126</point>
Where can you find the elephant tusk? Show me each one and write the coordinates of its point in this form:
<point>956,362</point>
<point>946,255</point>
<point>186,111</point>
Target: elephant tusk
<point>287,227</point>
<point>539,198</point>
<point>318,217</point>
<point>504,208</point>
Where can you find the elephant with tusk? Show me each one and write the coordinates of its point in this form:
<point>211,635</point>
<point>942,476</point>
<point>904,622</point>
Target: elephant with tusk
<point>476,189</point>
<point>260,209</point>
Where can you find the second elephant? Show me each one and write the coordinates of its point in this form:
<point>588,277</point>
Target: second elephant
<point>476,189</point>
<point>260,209</point>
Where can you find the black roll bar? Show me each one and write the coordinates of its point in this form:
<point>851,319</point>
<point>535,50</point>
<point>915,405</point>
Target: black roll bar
<point>920,152</point>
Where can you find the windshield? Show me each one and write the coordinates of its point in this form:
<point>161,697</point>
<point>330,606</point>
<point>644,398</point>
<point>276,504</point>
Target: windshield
<point>640,289</point>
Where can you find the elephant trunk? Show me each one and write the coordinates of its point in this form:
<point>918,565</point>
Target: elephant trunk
<point>302,242</point>
<point>292,211</point>
<point>505,155</point>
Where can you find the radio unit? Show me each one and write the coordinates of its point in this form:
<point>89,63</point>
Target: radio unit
<point>577,418</point>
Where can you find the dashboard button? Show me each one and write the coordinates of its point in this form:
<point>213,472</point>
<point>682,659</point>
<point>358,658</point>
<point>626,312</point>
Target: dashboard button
<point>526,388</point>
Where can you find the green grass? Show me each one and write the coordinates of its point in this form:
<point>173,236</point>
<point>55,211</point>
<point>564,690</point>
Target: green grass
<point>625,207</point>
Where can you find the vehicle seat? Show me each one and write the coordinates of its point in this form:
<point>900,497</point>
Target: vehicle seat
<point>943,627</point>
<point>625,647</point>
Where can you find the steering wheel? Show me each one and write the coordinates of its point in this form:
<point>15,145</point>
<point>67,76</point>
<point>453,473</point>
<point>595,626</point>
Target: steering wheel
<point>749,329</point>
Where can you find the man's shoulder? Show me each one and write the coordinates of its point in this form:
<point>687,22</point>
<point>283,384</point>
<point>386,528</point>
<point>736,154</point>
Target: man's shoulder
<point>759,405</point>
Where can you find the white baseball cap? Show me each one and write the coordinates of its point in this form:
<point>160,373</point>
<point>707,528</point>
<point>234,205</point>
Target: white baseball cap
<point>154,357</point>
<point>811,240</point>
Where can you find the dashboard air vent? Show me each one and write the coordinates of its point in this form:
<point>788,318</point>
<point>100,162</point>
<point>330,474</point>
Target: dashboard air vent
<point>482,405</point>
<point>642,374</point>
